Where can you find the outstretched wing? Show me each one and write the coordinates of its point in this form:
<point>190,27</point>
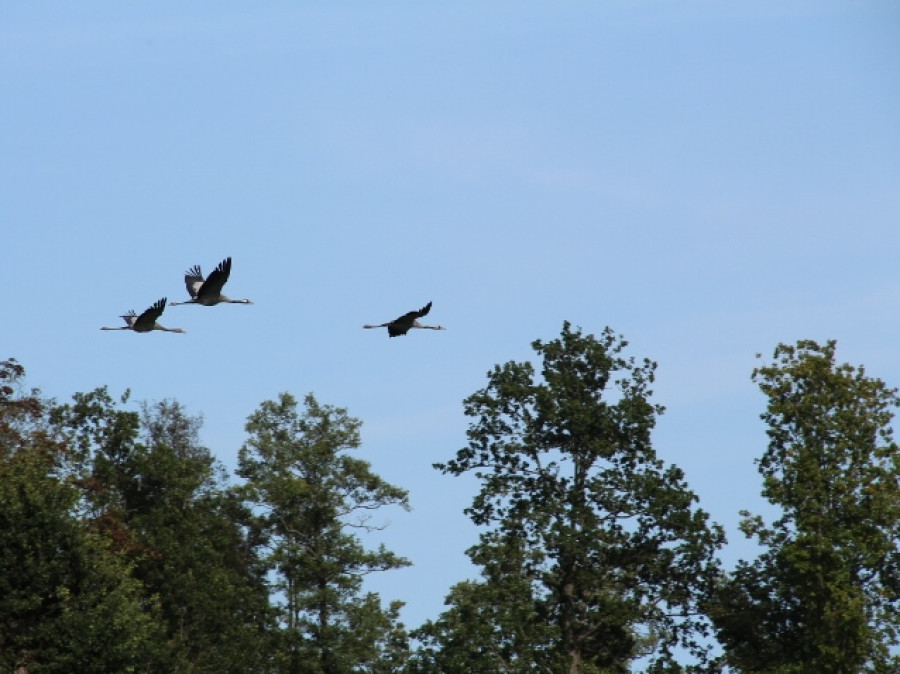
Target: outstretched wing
<point>408,318</point>
<point>147,320</point>
<point>193,279</point>
<point>212,286</point>
<point>130,317</point>
<point>423,311</point>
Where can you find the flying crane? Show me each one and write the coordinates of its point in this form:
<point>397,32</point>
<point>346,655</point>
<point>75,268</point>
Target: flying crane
<point>402,325</point>
<point>146,322</point>
<point>208,292</point>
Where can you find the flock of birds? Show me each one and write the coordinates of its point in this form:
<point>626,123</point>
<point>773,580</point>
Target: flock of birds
<point>208,293</point>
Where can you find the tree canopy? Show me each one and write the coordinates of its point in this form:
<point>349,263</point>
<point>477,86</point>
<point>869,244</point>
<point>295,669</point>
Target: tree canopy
<point>126,546</point>
<point>823,595</point>
<point>313,495</point>
<point>596,552</point>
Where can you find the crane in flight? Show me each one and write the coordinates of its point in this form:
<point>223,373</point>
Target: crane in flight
<point>400,326</point>
<point>146,322</point>
<point>209,292</point>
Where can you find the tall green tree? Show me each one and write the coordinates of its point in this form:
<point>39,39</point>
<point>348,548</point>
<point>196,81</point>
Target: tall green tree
<point>823,596</point>
<point>313,498</point>
<point>68,601</point>
<point>600,544</point>
<point>162,499</point>
<point>203,552</point>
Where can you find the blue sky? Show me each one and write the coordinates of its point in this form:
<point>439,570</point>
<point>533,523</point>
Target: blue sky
<point>707,178</point>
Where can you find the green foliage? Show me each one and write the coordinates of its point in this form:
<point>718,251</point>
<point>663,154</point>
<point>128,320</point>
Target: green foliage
<point>198,559</point>
<point>67,601</point>
<point>823,596</point>
<point>312,495</point>
<point>606,550</point>
<point>124,548</point>
<point>160,498</point>
<point>494,625</point>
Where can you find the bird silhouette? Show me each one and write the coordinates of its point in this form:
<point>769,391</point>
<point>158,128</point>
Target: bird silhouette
<point>146,322</point>
<point>209,292</point>
<point>400,326</point>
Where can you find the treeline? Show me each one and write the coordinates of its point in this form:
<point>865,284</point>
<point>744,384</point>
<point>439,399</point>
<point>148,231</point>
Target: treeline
<point>125,546</point>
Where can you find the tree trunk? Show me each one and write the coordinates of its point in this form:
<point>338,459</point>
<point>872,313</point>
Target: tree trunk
<point>575,662</point>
